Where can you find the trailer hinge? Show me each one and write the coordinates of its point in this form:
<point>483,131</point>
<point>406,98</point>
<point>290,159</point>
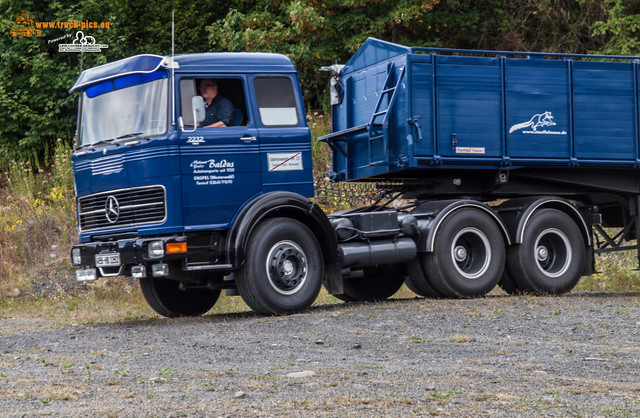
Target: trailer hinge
<point>637,163</point>
<point>331,175</point>
<point>437,160</point>
<point>506,161</point>
<point>574,162</point>
<point>502,177</point>
<point>415,121</point>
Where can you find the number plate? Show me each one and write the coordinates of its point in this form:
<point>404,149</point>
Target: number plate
<point>107,260</point>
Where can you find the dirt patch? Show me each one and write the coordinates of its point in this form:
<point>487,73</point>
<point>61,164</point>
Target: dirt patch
<point>573,355</point>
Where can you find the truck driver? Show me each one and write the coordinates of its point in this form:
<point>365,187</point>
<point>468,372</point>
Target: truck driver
<point>219,110</point>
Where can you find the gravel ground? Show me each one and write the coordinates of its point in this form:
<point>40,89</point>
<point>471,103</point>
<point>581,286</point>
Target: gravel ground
<point>575,355</point>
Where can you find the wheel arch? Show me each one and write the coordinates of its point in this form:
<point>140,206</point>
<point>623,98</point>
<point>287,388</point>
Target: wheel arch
<point>293,206</point>
<point>441,210</point>
<point>518,220</point>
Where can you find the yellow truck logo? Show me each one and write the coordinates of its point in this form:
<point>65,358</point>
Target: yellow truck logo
<point>24,26</point>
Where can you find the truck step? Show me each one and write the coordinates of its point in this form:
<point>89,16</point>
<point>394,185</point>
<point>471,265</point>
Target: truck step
<point>203,266</point>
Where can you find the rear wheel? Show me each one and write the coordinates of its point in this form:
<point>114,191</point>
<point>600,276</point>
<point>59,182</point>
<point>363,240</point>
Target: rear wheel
<point>283,270</point>
<point>165,297</point>
<point>509,285</point>
<point>376,283</point>
<point>551,256</point>
<point>417,281</point>
<point>468,257</point>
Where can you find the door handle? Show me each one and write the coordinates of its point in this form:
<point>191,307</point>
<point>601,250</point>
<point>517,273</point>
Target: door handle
<point>248,138</point>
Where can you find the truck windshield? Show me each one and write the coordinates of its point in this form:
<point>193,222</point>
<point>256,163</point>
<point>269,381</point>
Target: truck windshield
<point>139,110</point>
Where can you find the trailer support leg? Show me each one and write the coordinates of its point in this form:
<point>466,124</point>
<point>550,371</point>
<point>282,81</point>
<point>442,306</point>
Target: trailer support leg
<point>636,217</point>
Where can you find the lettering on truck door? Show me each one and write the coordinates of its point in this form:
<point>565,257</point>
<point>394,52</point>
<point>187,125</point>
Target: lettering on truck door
<point>220,157</point>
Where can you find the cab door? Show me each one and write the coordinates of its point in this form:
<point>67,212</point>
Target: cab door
<point>220,166</point>
<point>285,144</point>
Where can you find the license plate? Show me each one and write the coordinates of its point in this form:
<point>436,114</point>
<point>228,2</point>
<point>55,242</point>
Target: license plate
<point>107,260</point>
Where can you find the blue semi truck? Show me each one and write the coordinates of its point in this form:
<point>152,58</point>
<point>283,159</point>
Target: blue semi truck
<point>513,169</point>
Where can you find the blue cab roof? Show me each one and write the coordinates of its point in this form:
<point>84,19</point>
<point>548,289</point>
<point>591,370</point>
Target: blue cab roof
<point>150,65</point>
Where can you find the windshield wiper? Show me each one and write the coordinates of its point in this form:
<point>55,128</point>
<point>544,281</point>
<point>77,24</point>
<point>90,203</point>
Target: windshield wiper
<point>115,140</point>
<point>129,136</point>
<point>101,142</point>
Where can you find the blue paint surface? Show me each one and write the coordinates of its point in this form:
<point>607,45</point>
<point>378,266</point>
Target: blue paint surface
<point>483,109</point>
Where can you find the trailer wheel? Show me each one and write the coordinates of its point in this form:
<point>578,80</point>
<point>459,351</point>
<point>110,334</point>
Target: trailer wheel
<point>418,282</point>
<point>377,283</point>
<point>509,285</point>
<point>468,257</point>
<point>551,256</point>
<point>283,269</point>
<point>165,297</point>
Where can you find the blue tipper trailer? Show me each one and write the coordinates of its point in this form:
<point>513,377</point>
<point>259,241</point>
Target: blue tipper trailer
<point>402,108</point>
<point>514,169</point>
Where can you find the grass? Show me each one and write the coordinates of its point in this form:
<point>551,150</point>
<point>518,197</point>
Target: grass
<point>38,226</point>
<point>615,274</point>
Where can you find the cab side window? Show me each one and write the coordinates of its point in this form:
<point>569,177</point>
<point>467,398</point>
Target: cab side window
<point>276,101</point>
<point>230,89</point>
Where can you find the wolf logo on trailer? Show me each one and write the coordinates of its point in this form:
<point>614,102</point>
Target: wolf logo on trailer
<point>537,121</point>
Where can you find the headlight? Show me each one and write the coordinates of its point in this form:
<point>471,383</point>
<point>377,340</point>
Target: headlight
<point>76,257</point>
<point>86,275</point>
<point>155,249</point>
<point>160,270</point>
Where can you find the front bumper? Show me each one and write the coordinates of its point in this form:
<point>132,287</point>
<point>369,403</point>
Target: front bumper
<point>133,254</point>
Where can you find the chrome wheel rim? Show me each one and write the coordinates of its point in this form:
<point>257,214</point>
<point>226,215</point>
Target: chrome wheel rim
<point>552,252</point>
<point>286,267</point>
<point>471,253</point>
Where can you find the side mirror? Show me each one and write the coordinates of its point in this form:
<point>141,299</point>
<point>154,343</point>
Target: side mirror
<point>197,104</point>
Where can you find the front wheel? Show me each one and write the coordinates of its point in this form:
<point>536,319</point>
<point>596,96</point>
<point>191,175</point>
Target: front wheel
<point>283,270</point>
<point>166,298</point>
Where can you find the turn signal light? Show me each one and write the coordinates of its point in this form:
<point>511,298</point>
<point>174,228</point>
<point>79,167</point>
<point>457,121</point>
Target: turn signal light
<point>176,247</point>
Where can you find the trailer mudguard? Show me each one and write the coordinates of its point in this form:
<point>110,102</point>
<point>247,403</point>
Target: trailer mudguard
<point>516,214</point>
<point>430,216</point>
<point>287,205</point>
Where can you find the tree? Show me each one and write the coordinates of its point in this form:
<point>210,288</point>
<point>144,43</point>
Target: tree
<point>314,33</point>
<point>35,105</point>
<point>621,28</point>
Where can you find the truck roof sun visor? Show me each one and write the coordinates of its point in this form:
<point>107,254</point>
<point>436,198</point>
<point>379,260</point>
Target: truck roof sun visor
<point>139,64</point>
<point>123,82</point>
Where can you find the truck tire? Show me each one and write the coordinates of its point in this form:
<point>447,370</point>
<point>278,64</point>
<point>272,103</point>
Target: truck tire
<point>283,269</point>
<point>417,281</point>
<point>377,283</point>
<point>509,285</point>
<point>468,257</point>
<point>165,297</point>
<point>551,256</point>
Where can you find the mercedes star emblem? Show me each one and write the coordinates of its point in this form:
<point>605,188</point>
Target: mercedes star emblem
<point>112,209</point>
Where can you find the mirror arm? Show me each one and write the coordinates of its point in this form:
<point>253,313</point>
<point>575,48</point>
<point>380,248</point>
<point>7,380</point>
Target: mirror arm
<point>195,126</point>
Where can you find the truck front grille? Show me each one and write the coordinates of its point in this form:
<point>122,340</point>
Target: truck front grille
<point>122,208</point>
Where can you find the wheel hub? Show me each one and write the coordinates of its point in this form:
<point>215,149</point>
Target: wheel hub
<point>471,253</point>
<point>460,253</point>
<point>553,252</point>
<point>286,267</point>
<point>542,253</point>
